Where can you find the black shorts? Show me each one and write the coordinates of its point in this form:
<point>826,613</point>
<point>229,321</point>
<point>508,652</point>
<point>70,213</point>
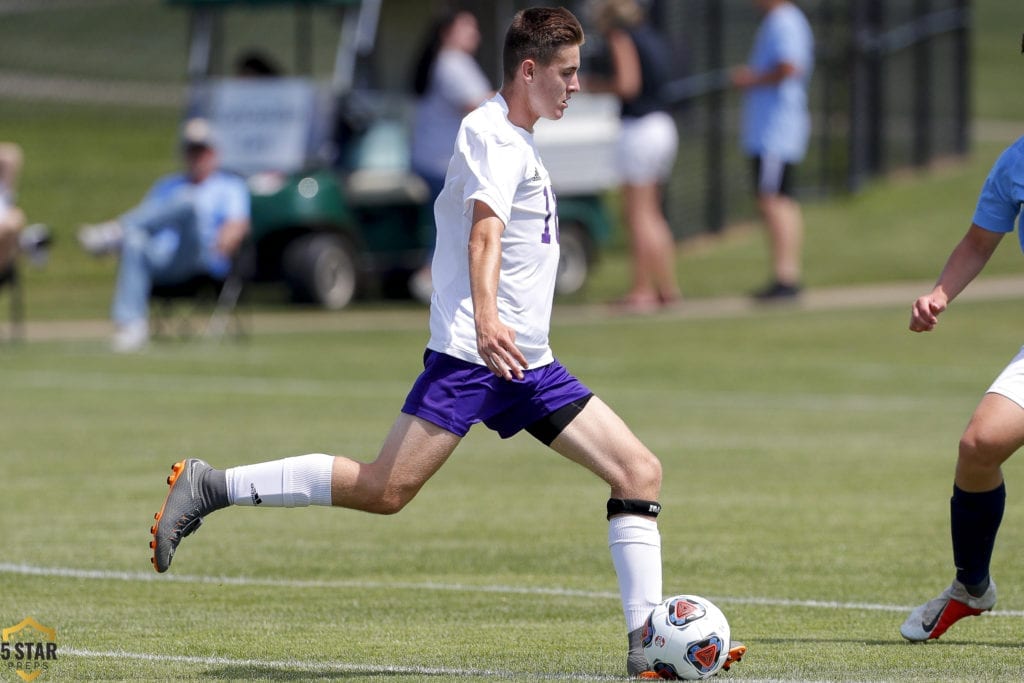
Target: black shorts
<point>772,176</point>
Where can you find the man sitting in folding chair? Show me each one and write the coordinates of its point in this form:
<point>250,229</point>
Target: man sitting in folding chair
<point>201,292</point>
<point>189,224</point>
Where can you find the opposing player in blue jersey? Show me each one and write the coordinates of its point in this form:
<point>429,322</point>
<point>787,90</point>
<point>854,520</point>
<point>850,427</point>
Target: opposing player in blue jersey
<point>995,431</point>
<point>488,358</point>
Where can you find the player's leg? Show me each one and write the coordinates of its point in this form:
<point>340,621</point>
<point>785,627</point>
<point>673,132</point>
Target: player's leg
<point>600,441</point>
<point>994,433</point>
<point>412,452</point>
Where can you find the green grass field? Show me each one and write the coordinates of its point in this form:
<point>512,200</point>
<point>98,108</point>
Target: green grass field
<point>808,454</point>
<point>808,459</point>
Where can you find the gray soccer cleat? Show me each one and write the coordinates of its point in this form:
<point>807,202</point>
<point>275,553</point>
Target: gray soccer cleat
<point>930,620</point>
<point>182,512</point>
<point>636,660</point>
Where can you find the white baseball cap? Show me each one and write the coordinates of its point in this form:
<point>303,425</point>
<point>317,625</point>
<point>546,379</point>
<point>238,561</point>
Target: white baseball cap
<point>197,132</point>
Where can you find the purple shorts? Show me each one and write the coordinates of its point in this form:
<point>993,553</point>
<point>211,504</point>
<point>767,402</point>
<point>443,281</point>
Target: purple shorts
<point>455,394</point>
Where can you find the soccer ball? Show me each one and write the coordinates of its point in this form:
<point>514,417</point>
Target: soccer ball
<point>686,637</point>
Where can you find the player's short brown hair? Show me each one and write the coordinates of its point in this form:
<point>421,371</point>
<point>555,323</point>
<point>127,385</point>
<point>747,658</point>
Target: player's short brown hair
<point>538,33</point>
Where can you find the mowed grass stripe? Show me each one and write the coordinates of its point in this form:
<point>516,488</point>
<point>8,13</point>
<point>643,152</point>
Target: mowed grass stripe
<point>205,385</point>
<point>104,575</point>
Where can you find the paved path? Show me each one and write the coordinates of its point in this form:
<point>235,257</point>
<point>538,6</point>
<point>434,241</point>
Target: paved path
<point>868,296</point>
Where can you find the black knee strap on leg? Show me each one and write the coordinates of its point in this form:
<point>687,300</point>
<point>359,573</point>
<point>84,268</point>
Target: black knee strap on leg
<point>633,506</point>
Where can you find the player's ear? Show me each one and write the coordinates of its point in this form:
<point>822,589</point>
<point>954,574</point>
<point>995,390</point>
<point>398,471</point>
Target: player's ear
<point>528,68</point>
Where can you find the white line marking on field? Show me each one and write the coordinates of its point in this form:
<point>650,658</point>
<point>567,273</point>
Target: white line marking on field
<point>312,667</point>
<point>144,577</point>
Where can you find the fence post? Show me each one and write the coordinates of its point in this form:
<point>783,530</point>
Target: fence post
<point>715,209</point>
<point>866,92</point>
<point>962,78</point>
<point>824,75</point>
<point>922,75</point>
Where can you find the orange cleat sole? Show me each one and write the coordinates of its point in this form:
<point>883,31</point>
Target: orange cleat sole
<point>736,653</point>
<point>176,470</point>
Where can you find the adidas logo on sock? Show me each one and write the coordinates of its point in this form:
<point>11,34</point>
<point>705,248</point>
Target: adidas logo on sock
<point>256,500</point>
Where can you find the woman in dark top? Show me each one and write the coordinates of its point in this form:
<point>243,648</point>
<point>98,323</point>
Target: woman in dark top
<point>646,152</point>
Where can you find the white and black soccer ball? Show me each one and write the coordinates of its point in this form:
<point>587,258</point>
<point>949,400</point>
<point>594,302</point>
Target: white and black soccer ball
<point>686,637</point>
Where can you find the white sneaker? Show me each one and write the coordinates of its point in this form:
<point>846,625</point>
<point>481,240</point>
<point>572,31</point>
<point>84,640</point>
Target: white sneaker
<point>930,620</point>
<point>131,337</point>
<point>102,238</point>
<point>34,241</point>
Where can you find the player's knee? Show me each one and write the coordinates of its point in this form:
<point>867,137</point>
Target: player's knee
<point>386,502</point>
<point>642,478</point>
<point>381,497</point>
<point>387,506</point>
<point>652,472</point>
<point>980,449</point>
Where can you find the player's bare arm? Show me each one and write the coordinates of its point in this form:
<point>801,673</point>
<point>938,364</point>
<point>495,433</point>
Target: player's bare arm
<point>965,262</point>
<point>496,342</point>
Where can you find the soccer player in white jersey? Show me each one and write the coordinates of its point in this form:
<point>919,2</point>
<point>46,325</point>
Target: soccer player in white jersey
<point>488,358</point>
<point>996,429</point>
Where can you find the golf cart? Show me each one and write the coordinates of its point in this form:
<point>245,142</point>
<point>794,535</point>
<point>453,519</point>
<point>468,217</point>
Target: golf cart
<point>336,210</point>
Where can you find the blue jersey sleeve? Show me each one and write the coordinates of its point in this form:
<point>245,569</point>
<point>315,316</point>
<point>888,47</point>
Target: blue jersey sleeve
<point>1000,199</point>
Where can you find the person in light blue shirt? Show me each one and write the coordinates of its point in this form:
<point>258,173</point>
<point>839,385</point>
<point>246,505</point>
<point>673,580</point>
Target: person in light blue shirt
<point>188,224</point>
<point>996,429</point>
<point>775,132</point>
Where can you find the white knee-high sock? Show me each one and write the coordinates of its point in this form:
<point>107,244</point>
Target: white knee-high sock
<point>636,553</point>
<point>291,482</point>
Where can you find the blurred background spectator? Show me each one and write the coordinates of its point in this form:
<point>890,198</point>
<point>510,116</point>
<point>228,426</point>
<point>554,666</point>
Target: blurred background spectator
<point>641,65</point>
<point>775,133</point>
<point>189,223</point>
<point>448,84</point>
<point>15,236</point>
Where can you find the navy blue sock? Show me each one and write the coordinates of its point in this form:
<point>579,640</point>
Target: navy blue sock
<point>974,521</point>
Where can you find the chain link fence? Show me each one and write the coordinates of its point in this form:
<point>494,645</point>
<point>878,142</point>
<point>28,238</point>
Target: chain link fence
<point>890,91</point>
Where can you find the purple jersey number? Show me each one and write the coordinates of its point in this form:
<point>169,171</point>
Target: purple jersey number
<point>550,202</point>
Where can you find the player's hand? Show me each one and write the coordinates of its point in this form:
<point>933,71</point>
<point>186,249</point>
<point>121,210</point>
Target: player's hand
<point>924,314</point>
<point>496,344</point>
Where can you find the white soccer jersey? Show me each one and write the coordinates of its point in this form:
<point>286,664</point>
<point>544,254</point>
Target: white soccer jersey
<point>497,163</point>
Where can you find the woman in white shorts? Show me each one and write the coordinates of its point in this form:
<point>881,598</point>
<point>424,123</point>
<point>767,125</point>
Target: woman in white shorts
<point>641,61</point>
